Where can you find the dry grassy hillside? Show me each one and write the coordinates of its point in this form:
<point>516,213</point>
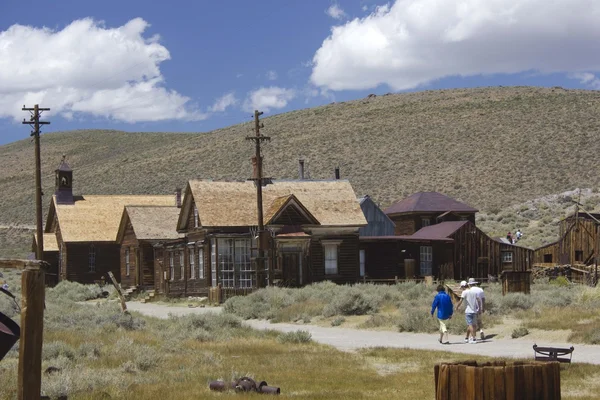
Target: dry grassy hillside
<point>490,147</point>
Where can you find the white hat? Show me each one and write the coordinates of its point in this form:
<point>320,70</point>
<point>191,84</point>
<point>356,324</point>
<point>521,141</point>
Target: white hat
<point>472,281</point>
<point>463,284</point>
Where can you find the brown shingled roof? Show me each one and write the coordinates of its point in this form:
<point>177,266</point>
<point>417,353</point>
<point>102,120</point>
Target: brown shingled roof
<point>428,202</point>
<point>152,222</point>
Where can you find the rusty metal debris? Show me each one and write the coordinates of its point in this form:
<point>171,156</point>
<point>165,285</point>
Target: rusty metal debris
<point>9,329</point>
<point>244,384</point>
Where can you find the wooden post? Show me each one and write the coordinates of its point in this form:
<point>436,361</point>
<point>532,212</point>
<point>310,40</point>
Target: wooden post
<point>32,328</point>
<point>119,292</point>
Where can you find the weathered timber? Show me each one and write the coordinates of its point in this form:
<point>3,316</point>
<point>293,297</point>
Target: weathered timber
<point>119,292</point>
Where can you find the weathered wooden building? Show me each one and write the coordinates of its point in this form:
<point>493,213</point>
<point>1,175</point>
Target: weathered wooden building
<point>313,236</point>
<point>140,230</point>
<point>50,256</point>
<point>578,242</point>
<point>86,226</point>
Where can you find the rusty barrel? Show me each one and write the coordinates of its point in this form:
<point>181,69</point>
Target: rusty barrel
<point>9,334</point>
<point>498,380</point>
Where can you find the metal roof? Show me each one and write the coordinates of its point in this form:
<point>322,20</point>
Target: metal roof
<point>438,231</point>
<point>428,202</point>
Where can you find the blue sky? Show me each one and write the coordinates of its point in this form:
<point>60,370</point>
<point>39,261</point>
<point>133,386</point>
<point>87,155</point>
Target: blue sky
<point>197,65</point>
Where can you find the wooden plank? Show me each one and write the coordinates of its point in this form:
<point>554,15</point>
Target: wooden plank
<point>556,369</point>
<point>436,376</point>
<point>488,383</point>
<point>443,384</point>
<point>119,292</point>
<point>499,383</point>
<point>21,264</point>
<point>538,381</point>
<point>528,382</point>
<point>455,391</point>
<point>470,393</point>
<point>509,382</point>
<point>32,329</point>
<point>462,379</point>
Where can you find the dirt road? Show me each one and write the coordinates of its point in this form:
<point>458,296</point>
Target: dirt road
<point>351,339</point>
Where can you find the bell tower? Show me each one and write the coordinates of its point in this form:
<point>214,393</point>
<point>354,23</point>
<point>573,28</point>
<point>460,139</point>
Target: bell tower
<point>64,183</point>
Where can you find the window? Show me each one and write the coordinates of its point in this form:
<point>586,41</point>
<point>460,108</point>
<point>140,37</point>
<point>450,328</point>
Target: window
<point>127,266</point>
<point>362,262</point>
<point>182,264</point>
<point>171,265</point>
<point>236,269</point>
<point>196,217</point>
<point>507,256</point>
<point>192,258</point>
<point>425,222</point>
<point>579,255</point>
<point>92,259</point>
<point>244,263</point>
<point>426,261</point>
<point>213,263</point>
<point>548,258</point>
<point>330,248</point>
<point>200,262</point>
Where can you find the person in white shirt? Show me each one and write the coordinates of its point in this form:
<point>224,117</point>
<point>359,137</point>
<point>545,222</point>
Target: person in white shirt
<point>472,308</point>
<point>474,286</point>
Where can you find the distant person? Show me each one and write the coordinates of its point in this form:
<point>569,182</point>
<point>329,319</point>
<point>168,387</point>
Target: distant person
<point>472,308</point>
<point>519,234</point>
<point>474,285</point>
<point>509,237</point>
<point>443,303</point>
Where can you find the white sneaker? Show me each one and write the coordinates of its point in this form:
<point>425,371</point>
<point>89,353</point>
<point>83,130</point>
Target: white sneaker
<point>466,340</point>
<point>472,341</point>
<point>482,335</point>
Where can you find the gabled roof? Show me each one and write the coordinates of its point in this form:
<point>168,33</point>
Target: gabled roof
<point>279,206</point>
<point>222,204</point>
<point>438,231</point>
<point>150,222</point>
<point>428,202</point>
<point>96,218</point>
<point>50,243</point>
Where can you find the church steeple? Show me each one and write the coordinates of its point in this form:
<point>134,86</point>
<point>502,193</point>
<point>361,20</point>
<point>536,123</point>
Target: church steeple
<point>64,183</point>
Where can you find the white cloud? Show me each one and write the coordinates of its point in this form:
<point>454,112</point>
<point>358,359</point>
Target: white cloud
<point>587,78</point>
<point>414,42</point>
<point>271,75</point>
<point>224,102</point>
<point>335,11</point>
<point>88,68</point>
<point>265,98</point>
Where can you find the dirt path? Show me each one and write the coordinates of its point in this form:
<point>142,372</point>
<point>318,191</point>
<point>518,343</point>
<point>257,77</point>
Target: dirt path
<point>351,339</point>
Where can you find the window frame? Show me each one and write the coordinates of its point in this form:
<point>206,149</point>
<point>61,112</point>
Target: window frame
<point>127,262</point>
<point>505,259</point>
<point>201,272</point>
<point>192,258</point>
<point>426,258</point>
<point>171,265</point>
<point>196,217</point>
<point>182,264</point>
<point>362,261</point>
<point>331,244</point>
<point>92,258</point>
<point>425,222</point>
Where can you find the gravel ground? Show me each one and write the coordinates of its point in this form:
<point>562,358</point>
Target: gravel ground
<point>351,339</point>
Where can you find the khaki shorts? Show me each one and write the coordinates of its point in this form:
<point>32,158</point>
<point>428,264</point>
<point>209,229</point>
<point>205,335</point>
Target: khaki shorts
<point>443,328</point>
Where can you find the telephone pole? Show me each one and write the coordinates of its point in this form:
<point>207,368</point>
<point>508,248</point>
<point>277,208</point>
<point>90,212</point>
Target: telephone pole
<point>34,122</point>
<point>258,182</point>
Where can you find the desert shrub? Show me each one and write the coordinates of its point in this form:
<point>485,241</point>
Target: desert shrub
<point>67,290</point>
<point>514,301</point>
<point>377,320</point>
<point>519,332</point>
<point>338,321</point>
<point>57,349</point>
<point>351,302</point>
<point>127,321</point>
<point>202,327</point>
<point>295,337</point>
<point>417,320</point>
<point>89,350</point>
<point>560,281</point>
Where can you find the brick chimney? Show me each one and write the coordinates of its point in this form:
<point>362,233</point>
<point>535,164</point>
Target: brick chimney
<point>301,168</point>
<point>337,172</point>
<point>178,197</point>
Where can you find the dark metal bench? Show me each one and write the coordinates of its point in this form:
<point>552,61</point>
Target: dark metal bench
<point>553,353</point>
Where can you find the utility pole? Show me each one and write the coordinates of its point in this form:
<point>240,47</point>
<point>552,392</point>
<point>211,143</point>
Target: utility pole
<point>34,122</point>
<point>258,182</point>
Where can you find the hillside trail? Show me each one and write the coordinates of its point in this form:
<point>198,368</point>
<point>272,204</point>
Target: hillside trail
<point>348,339</point>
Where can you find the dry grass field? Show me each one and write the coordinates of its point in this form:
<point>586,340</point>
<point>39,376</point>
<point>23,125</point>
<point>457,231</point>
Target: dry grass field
<point>494,148</point>
<point>103,354</point>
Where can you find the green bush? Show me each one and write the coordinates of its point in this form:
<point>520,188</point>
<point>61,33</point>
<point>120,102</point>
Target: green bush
<point>338,321</point>
<point>519,332</point>
<point>67,290</point>
<point>295,337</point>
<point>57,349</point>
<point>560,281</point>
<point>514,301</point>
<point>417,320</point>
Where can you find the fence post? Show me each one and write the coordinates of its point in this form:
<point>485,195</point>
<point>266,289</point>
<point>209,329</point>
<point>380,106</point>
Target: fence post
<point>119,292</point>
<point>32,329</point>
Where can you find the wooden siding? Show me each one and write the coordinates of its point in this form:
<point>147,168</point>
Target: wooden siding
<point>107,259</point>
<point>379,224</point>
<point>181,286</point>
<point>130,243</point>
<point>348,260</point>
<point>405,224</point>
<point>382,260</point>
<point>577,245</point>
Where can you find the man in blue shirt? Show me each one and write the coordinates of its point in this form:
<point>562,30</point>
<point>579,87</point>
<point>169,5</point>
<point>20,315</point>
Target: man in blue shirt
<point>443,303</point>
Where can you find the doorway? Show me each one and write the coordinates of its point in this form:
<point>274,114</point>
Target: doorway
<point>292,269</point>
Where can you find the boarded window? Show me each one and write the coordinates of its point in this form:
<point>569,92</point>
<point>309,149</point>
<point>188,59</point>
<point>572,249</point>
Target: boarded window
<point>330,248</point>
<point>426,261</point>
<point>171,265</point>
<point>127,265</point>
<point>201,263</point>
<point>548,258</point>
<point>92,259</point>
<point>192,257</point>
<point>507,256</point>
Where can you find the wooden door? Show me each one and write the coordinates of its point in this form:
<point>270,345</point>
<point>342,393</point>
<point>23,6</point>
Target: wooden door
<point>292,269</point>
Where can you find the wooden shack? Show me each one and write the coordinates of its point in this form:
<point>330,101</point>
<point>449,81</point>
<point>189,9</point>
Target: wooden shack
<point>578,242</point>
<point>516,282</point>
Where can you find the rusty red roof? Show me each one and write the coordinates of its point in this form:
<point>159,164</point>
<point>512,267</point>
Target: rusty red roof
<point>438,231</point>
<point>399,238</point>
<point>428,202</point>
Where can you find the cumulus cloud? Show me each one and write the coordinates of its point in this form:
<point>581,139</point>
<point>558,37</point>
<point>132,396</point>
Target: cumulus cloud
<point>224,102</point>
<point>89,68</point>
<point>335,11</point>
<point>271,75</point>
<point>415,42</point>
<point>586,78</point>
<point>266,98</point>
